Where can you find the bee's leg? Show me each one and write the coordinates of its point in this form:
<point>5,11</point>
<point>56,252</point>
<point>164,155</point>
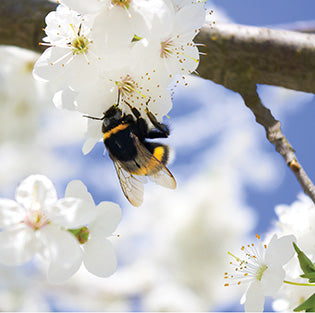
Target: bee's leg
<point>134,111</point>
<point>140,121</point>
<point>161,128</point>
<point>156,133</point>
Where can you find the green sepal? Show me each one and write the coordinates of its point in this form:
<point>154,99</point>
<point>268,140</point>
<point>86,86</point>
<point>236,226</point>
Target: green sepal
<point>136,38</point>
<point>82,234</point>
<point>309,276</point>
<point>306,264</point>
<point>307,306</point>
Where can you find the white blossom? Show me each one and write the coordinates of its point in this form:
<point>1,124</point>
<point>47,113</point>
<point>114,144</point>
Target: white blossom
<point>297,218</point>
<point>98,253</point>
<point>38,223</point>
<point>100,49</point>
<point>20,111</point>
<point>169,46</point>
<point>262,268</point>
<point>31,225</point>
<point>71,54</point>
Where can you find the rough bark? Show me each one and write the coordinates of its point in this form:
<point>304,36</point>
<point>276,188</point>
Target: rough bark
<point>22,21</point>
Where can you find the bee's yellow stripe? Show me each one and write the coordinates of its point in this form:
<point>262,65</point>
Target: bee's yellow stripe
<point>158,154</point>
<point>114,130</point>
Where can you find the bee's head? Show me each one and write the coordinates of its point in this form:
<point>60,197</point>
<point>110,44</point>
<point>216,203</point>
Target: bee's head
<point>112,115</point>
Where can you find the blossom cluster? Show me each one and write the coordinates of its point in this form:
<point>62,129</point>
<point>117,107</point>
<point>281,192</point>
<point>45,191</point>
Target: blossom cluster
<point>271,270</point>
<point>101,50</point>
<point>20,111</point>
<point>261,267</point>
<point>297,218</point>
<point>64,232</point>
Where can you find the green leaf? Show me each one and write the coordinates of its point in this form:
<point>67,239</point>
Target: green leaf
<point>307,306</point>
<point>310,276</point>
<point>306,264</point>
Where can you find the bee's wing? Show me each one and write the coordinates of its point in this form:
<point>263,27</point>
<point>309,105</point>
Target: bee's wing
<point>153,168</point>
<point>131,185</point>
<point>164,178</point>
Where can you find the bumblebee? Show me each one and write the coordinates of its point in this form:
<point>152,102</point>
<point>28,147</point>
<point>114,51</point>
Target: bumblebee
<point>135,158</point>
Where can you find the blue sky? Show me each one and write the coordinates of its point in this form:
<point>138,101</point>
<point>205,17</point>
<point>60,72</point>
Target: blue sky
<point>267,12</point>
<point>298,125</point>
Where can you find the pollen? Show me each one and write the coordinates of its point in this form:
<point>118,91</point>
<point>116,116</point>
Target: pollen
<point>80,45</point>
<point>128,87</point>
<point>122,3</point>
<point>250,267</point>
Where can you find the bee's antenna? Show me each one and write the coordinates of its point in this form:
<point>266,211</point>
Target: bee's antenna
<point>79,31</point>
<point>94,118</point>
<point>118,99</point>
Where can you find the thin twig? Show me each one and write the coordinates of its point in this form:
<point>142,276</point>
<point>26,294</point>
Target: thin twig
<point>275,136</point>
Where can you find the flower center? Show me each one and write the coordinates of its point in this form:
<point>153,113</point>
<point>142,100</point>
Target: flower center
<point>80,45</point>
<point>35,219</point>
<point>127,86</point>
<point>250,267</point>
<point>35,216</point>
<point>123,3</point>
<point>167,47</point>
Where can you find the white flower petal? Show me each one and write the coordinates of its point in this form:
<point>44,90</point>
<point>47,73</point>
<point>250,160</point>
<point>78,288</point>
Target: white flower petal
<point>89,145</point>
<point>36,191</point>
<point>280,251</point>
<point>10,213</point>
<point>92,135</point>
<point>99,256</point>
<point>52,63</point>
<point>83,6</point>
<point>187,61</point>
<point>272,279</point>
<point>190,18</point>
<point>254,298</point>
<point>108,40</point>
<point>64,99</point>
<point>63,252</point>
<point>71,213</point>
<point>96,97</point>
<point>83,68</point>
<point>17,245</point>
<point>153,18</point>
<point>77,189</point>
<point>108,215</point>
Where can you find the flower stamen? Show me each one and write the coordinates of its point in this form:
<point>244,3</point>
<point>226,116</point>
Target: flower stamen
<point>80,43</point>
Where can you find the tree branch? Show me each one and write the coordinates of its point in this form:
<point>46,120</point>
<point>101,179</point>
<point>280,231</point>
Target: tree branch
<point>273,132</point>
<point>21,22</point>
<point>274,57</point>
